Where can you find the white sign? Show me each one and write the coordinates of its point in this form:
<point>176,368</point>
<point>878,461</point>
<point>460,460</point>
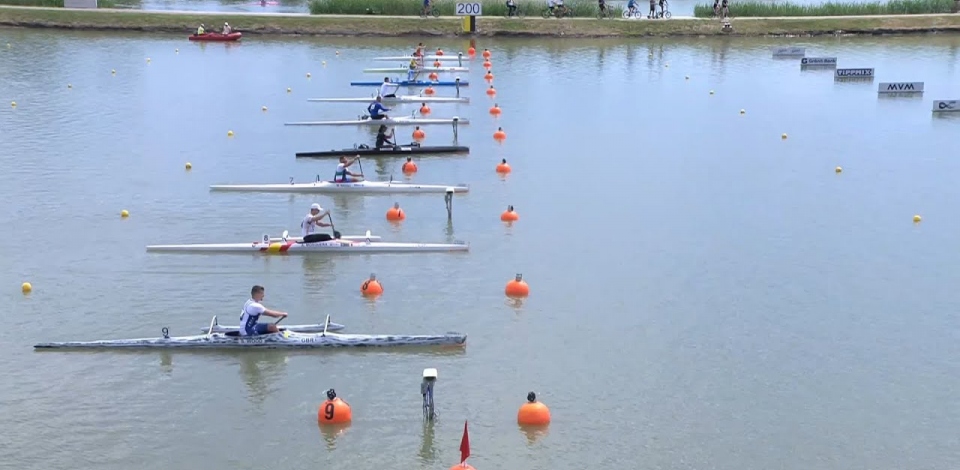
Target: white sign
<point>854,73</point>
<point>789,51</point>
<point>469,9</point>
<point>946,105</point>
<point>901,87</point>
<point>818,62</point>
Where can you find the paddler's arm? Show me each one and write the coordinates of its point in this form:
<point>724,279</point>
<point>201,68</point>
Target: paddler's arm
<point>274,313</point>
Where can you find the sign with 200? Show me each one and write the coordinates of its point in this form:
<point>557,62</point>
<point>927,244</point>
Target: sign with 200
<point>469,9</point>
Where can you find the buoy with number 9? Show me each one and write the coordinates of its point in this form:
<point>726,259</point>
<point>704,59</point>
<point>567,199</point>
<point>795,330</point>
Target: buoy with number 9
<point>334,410</point>
<point>371,287</point>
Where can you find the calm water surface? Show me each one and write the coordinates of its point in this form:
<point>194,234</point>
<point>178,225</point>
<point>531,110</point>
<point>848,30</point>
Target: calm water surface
<point>706,295</point>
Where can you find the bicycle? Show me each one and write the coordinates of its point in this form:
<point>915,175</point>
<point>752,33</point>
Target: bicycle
<point>604,13</point>
<point>664,10</point>
<point>559,11</point>
<point>518,13</point>
<point>429,11</point>
<point>632,13</point>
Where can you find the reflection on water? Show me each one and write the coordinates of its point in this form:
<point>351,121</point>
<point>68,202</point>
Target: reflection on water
<point>534,433</point>
<point>330,433</point>
<point>260,370</point>
<point>428,452</point>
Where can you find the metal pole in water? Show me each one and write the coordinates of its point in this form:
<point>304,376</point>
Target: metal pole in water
<point>426,389</point>
<point>457,83</point>
<point>448,199</point>
<point>456,127</point>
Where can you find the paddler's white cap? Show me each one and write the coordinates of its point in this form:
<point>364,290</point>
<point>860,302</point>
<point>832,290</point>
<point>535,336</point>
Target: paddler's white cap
<point>316,206</point>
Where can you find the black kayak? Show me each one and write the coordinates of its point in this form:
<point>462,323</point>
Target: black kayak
<point>399,150</point>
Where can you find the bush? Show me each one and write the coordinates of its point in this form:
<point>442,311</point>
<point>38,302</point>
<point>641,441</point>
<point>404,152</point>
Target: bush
<point>579,8</point>
<point>778,9</point>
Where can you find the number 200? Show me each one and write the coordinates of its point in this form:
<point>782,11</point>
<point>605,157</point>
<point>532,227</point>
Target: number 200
<point>472,9</point>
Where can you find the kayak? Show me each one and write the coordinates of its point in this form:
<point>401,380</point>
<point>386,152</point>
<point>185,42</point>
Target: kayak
<point>284,339</point>
<point>332,246</point>
<point>216,327</point>
<point>366,121</point>
<point>418,70</point>
<point>216,37</point>
<point>398,151</point>
<point>426,58</point>
<point>353,187</point>
<point>396,100</point>
<point>352,238</point>
<point>419,83</point>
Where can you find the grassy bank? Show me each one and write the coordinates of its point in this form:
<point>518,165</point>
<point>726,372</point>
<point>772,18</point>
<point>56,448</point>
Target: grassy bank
<point>779,9</point>
<point>579,8</point>
<point>393,26</point>
<point>52,3</point>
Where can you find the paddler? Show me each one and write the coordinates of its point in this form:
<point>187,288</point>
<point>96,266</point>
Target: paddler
<point>387,89</point>
<point>384,137</point>
<point>345,176</point>
<point>376,109</point>
<point>419,51</point>
<point>311,222</point>
<point>201,31</point>
<point>252,310</point>
<point>226,28</point>
<point>412,70</point>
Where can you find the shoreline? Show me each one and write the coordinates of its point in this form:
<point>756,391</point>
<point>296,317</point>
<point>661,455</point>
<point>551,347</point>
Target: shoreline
<point>302,24</point>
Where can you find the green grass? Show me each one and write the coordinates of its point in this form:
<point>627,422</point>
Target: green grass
<point>52,3</point>
<point>580,8</point>
<point>778,9</point>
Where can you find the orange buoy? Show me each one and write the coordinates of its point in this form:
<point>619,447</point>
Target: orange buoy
<point>491,91</point>
<point>517,287</point>
<point>395,213</point>
<point>334,410</point>
<point>436,63</point>
<point>429,91</point>
<point>433,76</point>
<point>409,166</point>
<point>489,76</point>
<point>486,54</point>
<point>418,134</point>
<point>424,109</point>
<point>503,167</point>
<point>471,51</point>
<point>533,413</point>
<point>439,51</point>
<point>487,64</point>
<point>499,135</point>
<point>463,466</point>
<point>495,110</point>
<point>509,216</point>
<point>371,287</point>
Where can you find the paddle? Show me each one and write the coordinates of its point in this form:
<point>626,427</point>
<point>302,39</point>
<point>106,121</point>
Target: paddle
<point>283,236</point>
<point>336,234</point>
<point>361,171</point>
<point>326,323</point>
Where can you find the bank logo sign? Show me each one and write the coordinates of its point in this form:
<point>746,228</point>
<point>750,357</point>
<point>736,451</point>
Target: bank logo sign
<point>854,73</point>
<point>789,51</point>
<point>818,62</point>
<point>901,87</point>
<point>946,105</point>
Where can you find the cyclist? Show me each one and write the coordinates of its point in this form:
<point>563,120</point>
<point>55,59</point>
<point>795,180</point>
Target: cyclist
<point>725,9</point>
<point>632,8</point>
<point>511,8</point>
<point>663,8</point>
<point>426,7</point>
<point>602,5</point>
<point>653,9</point>
<point>716,8</point>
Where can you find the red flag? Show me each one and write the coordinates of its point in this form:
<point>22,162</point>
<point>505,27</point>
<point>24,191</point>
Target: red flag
<point>464,444</point>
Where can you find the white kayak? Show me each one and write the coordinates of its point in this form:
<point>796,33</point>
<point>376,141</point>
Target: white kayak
<point>417,70</point>
<point>216,327</point>
<point>353,187</point>
<point>426,58</point>
<point>331,246</point>
<point>396,121</point>
<point>403,99</point>
<point>284,339</point>
<point>352,238</point>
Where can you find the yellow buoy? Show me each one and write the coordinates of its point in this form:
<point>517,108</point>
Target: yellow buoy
<point>711,92</point>
<point>289,90</point>
<point>13,104</point>
<point>838,169</point>
<point>188,166</point>
<point>783,136</point>
<point>666,66</point>
<point>263,108</point>
<point>687,77</point>
<point>308,74</point>
<point>743,111</point>
<point>916,218</point>
<point>229,133</point>
<point>113,72</point>
<point>176,51</point>
<point>324,63</point>
<point>69,85</point>
<point>26,287</point>
<point>148,60</point>
<point>124,213</point>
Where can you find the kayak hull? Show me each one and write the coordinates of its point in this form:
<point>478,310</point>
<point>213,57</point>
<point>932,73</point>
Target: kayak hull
<point>426,58</point>
<point>331,187</point>
<point>216,37</point>
<point>414,83</point>
<point>412,99</point>
<point>419,70</point>
<point>386,152</point>
<point>400,121</point>
<point>308,328</point>
<point>291,247</point>
<point>283,340</point>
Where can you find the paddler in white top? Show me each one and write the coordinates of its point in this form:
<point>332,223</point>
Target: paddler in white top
<point>345,176</point>
<point>227,29</point>
<point>252,310</point>
<point>311,222</point>
<point>389,90</point>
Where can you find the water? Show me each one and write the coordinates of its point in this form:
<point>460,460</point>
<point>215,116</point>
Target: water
<point>705,295</point>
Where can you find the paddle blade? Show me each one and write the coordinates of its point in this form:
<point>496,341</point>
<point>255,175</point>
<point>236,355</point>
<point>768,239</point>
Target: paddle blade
<point>336,234</point>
